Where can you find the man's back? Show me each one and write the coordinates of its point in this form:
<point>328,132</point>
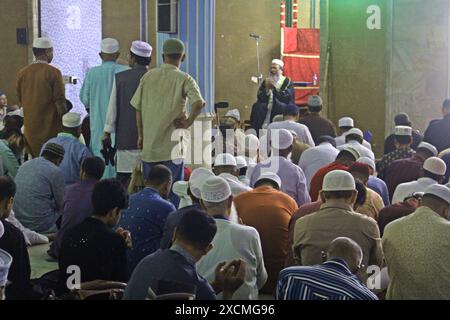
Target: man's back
<point>319,126</point>
<point>172,265</point>
<point>317,179</point>
<point>438,133</point>
<point>96,249</point>
<point>312,160</point>
<point>39,87</point>
<point>392,213</point>
<point>416,249</point>
<point>163,92</point>
<point>234,241</point>
<point>301,130</point>
<point>402,171</point>
<point>269,211</point>
<point>8,159</point>
<point>75,153</point>
<point>315,232</point>
<point>145,219</point>
<point>362,150</point>
<point>407,189</point>
<point>39,197</point>
<point>330,281</point>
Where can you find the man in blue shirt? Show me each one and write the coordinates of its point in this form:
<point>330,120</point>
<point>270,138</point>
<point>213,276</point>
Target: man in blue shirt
<point>77,200</point>
<point>75,151</point>
<point>333,280</point>
<point>192,241</point>
<point>147,214</point>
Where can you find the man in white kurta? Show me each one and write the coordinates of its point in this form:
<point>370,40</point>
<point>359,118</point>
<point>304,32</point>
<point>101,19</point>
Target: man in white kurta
<point>354,139</point>
<point>346,124</point>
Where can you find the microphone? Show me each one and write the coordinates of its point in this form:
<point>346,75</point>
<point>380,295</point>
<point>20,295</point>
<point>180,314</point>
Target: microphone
<point>253,35</point>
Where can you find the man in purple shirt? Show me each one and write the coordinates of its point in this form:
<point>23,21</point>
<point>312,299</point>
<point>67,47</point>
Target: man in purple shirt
<point>77,200</point>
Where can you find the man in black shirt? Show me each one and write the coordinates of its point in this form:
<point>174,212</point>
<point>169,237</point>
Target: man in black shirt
<point>13,242</point>
<point>402,119</point>
<point>92,246</point>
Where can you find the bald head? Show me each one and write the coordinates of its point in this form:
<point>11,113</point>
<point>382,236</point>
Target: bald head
<point>348,250</point>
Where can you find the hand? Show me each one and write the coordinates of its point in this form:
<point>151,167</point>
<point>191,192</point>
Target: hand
<point>229,277</point>
<point>182,123</point>
<point>106,140</point>
<point>270,84</point>
<point>140,143</point>
<point>126,235</point>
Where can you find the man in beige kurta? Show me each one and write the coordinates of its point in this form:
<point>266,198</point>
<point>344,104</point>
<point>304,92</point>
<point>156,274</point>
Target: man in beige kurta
<point>40,90</point>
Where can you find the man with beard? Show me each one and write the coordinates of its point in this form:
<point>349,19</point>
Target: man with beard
<point>11,147</point>
<point>274,94</point>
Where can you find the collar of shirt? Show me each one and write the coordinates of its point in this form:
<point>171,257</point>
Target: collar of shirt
<point>229,176</point>
<point>169,66</point>
<point>220,217</point>
<point>140,66</point>
<point>67,135</point>
<point>427,211</point>
<point>337,263</point>
<point>427,181</point>
<point>280,82</point>
<point>337,205</point>
<point>39,61</point>
<point>184,253</point>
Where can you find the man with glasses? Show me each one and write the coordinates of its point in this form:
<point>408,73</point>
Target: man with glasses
<point>335,279</point>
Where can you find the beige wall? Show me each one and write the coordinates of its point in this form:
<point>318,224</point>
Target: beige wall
<point>236,51</point>
<point>13,56</point>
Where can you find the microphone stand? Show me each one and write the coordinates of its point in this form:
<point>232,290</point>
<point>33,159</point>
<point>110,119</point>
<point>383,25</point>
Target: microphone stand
<point>260,76</point>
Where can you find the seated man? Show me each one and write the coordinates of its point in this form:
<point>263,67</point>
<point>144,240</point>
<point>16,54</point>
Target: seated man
<point>5,264</point>
<point>93,246</point>
<point>402,119</point>
<point>375,183</point>
<point>336,218</point>
<point>335,279</point>
<point>77,200</point>
<point>232,241</point>
<point>274,94</point>
<point>147,214</point>
<point>345,125</point>
<point>192,240</point>
<point>11,148</point>
<point>40,190</point>
<point>198,177</point>
<point>13,242</point>
<point>416,248</point>
<point>318,125</point>
<point>225,166</point>
<point>76,152</point>
<point>354,139</point>
<point>269,211</point>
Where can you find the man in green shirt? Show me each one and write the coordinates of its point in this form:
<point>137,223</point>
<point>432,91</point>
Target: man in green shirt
<point>10,150</point>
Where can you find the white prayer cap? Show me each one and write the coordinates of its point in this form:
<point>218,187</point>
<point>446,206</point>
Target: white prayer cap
<point>42,43</point>
<point>356,131</point>
<point>339,180</point>
<point>353,152</point>
<point>110,46</point>
<point>2,230</point>
<point>440,191</point>
<point>278,62</point>
<point>225,159</point>
<point>315,101</point>
<point>436,166</point>
<point>429,147</point>
<point>5,264</point>
<point>72,120</point>
<point>141,48</point>
<point>234,114</point>
<point>403,131</point>
<point>369,162</point>
<point>267,175</point>
<point>180,188</point>
<point>215,190</point>
<point>198,177</point>
<point>281,139</point>
<point>18,112</point>
<point>241,162</point>
<point>251,142</point>
<point>346,122</point>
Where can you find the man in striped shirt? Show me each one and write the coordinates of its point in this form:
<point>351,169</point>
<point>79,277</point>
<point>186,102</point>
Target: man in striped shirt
<point>333,280</point>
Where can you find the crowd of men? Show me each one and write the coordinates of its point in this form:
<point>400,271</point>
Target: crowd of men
<point>295,212</point>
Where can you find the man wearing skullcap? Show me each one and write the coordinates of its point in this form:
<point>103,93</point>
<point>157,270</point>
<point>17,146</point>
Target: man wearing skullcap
<point>225,166</point>
<point>318,125</point>
<point>96,93</point>
<point>75,151</point>
<point>41,94</point>
<point>40,190</point>
<point>438,132</point>
<point>232,240</point>
<point>268,210</point>
<point>354,138</point>
<point>402,119</point>
<point>416,250</point>
<point>434,170</point>
<point>121,116</point>
<point>292,177</point>
<point>161,111</point>
<point>409,169</point>
<point>274,94</point>
<point>345,125</point>
<point>403,141</point>
<point>336,218</point>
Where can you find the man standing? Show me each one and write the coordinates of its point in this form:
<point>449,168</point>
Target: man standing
<point>160,102</point>
<point>416,248</point>
<point>274,94</point>
<point>438,131</point>
<point>317,125</point>
<point>402,119</point>
<point>75,151</point>
<point>96,92</point>
<point>121,116</point>
<point>41,94</point>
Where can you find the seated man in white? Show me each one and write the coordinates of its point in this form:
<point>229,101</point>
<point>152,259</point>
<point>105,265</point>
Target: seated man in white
<point>232,241</point>
<point>225,166</point>
<point>345,125</point>
<point>354,138</point>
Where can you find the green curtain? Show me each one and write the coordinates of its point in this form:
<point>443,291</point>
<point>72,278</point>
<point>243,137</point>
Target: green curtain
<point>289,13</point>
